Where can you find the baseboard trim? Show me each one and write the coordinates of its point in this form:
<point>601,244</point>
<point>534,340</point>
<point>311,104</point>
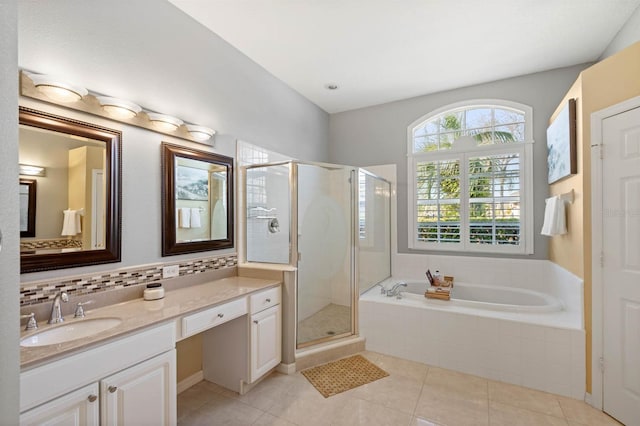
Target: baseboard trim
<point>588,398</point>
<point>193,379</point>
<point>286,368</point>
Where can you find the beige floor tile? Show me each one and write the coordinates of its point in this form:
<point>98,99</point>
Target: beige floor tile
<point>269,420</point>
<point>194,398</point>
<point>449,407</point>
<point>419,421</point>
<point>329,321</point>
<point>263,395</point>
<point>506,415</point>
<point>402,367</point>
<point>223,411</point>
<point>458,382</point>
<point>308,407</point>
<point>529,399</point>
<point>580,412</point>
<point>396,392</point>
<point>360,412</point>
<point>371,356</point>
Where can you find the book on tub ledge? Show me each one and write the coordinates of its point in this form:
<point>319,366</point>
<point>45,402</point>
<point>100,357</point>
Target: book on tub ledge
<point>440,288</point>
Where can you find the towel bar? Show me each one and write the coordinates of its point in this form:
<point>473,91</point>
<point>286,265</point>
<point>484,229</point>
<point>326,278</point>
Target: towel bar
<point>568,197</point>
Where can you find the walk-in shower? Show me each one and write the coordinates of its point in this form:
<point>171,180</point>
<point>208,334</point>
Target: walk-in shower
<point>315,216</point>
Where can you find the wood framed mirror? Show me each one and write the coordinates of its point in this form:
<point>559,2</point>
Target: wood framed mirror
<point>77,211</point>
<point>197,200</point>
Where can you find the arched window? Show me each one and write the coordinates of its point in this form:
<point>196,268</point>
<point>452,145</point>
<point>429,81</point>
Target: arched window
<point>470,175</point>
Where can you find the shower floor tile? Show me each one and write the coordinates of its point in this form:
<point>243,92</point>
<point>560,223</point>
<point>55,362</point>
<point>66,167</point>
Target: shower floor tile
<point>329,321</point>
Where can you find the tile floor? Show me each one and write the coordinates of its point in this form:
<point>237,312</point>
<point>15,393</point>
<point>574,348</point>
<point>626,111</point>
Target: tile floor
<point>414,394</point>
<point>331,320</point>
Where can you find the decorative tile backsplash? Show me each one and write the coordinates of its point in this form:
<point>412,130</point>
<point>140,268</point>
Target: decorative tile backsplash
<point>43,291</point>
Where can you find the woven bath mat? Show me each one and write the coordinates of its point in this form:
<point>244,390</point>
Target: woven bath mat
<point>342,375</point>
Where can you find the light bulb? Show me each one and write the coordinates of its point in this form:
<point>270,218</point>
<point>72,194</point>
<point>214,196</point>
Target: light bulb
<point>118,108</point>
<point>200,133</point>
<point>57,89</point>
<point>164,123</point>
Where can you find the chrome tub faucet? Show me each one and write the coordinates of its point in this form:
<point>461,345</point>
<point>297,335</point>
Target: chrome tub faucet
<point>394,290</point>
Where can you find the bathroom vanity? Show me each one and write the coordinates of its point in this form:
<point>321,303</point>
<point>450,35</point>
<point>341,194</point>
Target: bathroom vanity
<point>126,375</point>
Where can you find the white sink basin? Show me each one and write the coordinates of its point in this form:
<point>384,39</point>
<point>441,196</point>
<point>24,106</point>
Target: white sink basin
<point>71,331</point>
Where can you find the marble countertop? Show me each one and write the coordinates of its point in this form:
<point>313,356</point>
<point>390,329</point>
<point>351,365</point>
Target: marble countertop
<point>138,314</point>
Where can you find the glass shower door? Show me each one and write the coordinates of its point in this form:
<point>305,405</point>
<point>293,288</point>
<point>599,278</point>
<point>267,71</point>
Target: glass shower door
<point>325,228</point>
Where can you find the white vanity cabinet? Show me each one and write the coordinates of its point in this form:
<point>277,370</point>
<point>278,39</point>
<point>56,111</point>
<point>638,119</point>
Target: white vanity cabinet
<point>243,350</point>
<point>266,333</point>
<point>129,381</point>
<point>79,408</point>
<point>142,394</point>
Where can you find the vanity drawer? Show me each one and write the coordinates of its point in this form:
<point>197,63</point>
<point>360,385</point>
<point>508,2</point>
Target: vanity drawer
<point>265,299</point>
<point>193,324</point>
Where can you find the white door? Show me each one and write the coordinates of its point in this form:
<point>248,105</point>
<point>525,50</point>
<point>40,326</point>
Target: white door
<point>78,408</point>
<point>266,341</point>
<point>621,268</point>
<point>144,394</point>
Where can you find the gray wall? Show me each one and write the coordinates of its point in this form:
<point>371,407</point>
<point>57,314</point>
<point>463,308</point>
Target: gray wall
<point>9,220</point>
<point>151,53</point>
<point>378,134</point>
<point>628,34</point>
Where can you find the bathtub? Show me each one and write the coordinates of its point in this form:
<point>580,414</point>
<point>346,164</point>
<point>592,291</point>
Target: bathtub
<point>516,335</point>
<point>489,297</point>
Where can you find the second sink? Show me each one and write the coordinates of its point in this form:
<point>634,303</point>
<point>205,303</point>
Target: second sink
<point>70,331</point>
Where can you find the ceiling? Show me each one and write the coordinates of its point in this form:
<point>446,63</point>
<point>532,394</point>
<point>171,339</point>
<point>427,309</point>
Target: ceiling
<point>379,51</point>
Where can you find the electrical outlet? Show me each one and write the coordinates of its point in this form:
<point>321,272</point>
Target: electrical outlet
<point>170,271</point>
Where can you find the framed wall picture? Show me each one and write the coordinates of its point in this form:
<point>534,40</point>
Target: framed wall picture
<point>192,183</point>
<point>561,144</point>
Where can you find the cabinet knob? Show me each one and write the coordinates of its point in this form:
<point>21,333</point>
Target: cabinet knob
<point>268,300</point>
<point>112,389</point>
<point>92,398</point>
<point>220,315</point>
<point>255,321</point>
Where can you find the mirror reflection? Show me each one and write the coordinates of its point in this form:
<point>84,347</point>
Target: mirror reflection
<point>74,217</point>
<point>197,197</point>
<point>70,203</point>
<point>201,200</point>
<point>27,207</point>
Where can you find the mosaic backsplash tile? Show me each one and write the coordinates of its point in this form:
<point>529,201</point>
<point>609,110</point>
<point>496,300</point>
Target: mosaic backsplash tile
<point>44,291</point>
<point>58,243</point>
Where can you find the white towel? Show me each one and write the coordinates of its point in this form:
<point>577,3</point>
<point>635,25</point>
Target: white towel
<point>195,218</point>
<point>184,217</point>
<point>71,223</point>
<point>554,217</point>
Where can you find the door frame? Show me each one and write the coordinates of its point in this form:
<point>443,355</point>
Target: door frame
<point>597,216</point>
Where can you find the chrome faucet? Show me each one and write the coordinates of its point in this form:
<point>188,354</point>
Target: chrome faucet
<point>394,290</point>
<point>56,314</point>
<point>382,289</point>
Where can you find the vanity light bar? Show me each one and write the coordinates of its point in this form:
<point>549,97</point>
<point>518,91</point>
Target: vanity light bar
<point>59,90</point>
<point>27,170</point>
